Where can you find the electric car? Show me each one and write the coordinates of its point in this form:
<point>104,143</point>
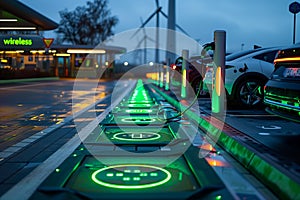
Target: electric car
<point>195,72</point>
<point>282,91</point>
<point>246,73</point>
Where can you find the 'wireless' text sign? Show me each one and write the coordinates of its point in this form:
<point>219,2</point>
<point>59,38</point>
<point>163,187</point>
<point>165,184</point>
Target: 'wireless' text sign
<point>15,42</point>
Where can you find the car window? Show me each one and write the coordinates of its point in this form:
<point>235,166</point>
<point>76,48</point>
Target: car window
<point>267,56</point>
<point>236,55</point>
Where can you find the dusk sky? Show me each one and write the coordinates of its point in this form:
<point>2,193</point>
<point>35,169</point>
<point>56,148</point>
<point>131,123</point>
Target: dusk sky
<point>261,22</point>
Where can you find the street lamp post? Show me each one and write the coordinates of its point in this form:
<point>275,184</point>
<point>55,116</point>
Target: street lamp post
<point>294,8</point>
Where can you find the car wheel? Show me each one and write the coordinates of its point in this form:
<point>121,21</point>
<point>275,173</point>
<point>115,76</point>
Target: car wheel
<point>250,93</point>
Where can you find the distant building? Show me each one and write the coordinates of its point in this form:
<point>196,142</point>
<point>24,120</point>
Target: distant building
<point>30,55</point>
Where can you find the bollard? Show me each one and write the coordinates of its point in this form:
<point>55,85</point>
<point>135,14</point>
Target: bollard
<point>157,74</point>
<point>185,56</point>
<point>167,84</point>
<point>218,93</point>
<point>161,67</point>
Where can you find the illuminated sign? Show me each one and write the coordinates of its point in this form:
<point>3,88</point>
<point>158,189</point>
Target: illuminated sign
<point>19,41</point>
<point>24,42</point>
<point>48,41</point>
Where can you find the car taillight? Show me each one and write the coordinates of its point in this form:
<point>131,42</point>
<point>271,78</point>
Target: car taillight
<point>173,66</point>
<point>209,68</point>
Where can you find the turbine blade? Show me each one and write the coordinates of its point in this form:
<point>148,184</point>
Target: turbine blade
<point>149,18</point>
<point>182,30</point>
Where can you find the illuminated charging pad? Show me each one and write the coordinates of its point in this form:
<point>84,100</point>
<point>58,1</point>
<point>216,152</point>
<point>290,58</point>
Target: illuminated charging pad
<point>140,102</point>
<point>138,105</point>
<point>135,111</point>
<point>136,137</point>
<point>93,176</point>
<point>131,136</point>
<point>136,120</point>
<point>82,176</point>
<point>139,111</point>
<point>131,176</point>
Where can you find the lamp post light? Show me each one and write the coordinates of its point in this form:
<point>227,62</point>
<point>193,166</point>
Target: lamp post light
<point>294,8</point>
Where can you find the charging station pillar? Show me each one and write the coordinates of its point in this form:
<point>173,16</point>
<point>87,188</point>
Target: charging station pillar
<point>157,74</point>
<point>218,93</point>
<point>161,67</point>
<point>167,84</point>
<point>184,69</point>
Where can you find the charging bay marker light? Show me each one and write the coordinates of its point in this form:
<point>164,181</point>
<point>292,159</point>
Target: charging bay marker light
<point>138,120</point>
<point>131,176</point>
<point>128,136</point>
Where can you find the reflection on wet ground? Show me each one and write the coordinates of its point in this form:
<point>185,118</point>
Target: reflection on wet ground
<point>26,109</point>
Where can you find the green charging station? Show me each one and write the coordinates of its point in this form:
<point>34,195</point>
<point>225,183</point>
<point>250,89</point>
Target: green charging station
<point>104,172</point>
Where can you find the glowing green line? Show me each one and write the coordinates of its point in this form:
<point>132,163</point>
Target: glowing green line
<point>138,120</point>
<point>180,176</point>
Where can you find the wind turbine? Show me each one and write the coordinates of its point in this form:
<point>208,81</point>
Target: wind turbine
<point>156,12</point>
<point>171,24</point>
<point>144,39</point>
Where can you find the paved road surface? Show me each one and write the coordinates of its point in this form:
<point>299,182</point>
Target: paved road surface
<point>26,108</point>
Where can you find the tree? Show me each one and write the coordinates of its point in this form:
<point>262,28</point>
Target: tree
<point>86,25</point>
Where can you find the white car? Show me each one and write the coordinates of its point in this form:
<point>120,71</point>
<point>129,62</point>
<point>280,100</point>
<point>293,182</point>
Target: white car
<point>246,72</point>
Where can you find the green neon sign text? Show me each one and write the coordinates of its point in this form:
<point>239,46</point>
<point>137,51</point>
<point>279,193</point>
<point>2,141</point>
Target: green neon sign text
<point>19,41</point>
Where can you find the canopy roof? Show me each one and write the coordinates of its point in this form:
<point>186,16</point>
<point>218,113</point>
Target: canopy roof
<point>15,15</point>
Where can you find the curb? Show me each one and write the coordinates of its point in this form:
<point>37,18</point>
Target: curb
<point>28,80</point>
<point>284,186</point>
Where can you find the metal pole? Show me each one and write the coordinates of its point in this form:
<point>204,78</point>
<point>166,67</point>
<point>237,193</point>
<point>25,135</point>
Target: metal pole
<point>157,39</point>
<point>294,35</point>
<point>185,56</point>
<point>145,50</point>
<point>218,93</point>
<point>171,43</point>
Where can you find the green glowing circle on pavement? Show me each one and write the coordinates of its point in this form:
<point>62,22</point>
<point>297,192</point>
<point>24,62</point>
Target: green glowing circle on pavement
<point>138,120</point>
<point>142,136</point>
<point>139,102</point>
<point>138,111</point>
<point>131,176</point>
<point>145,105</point>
